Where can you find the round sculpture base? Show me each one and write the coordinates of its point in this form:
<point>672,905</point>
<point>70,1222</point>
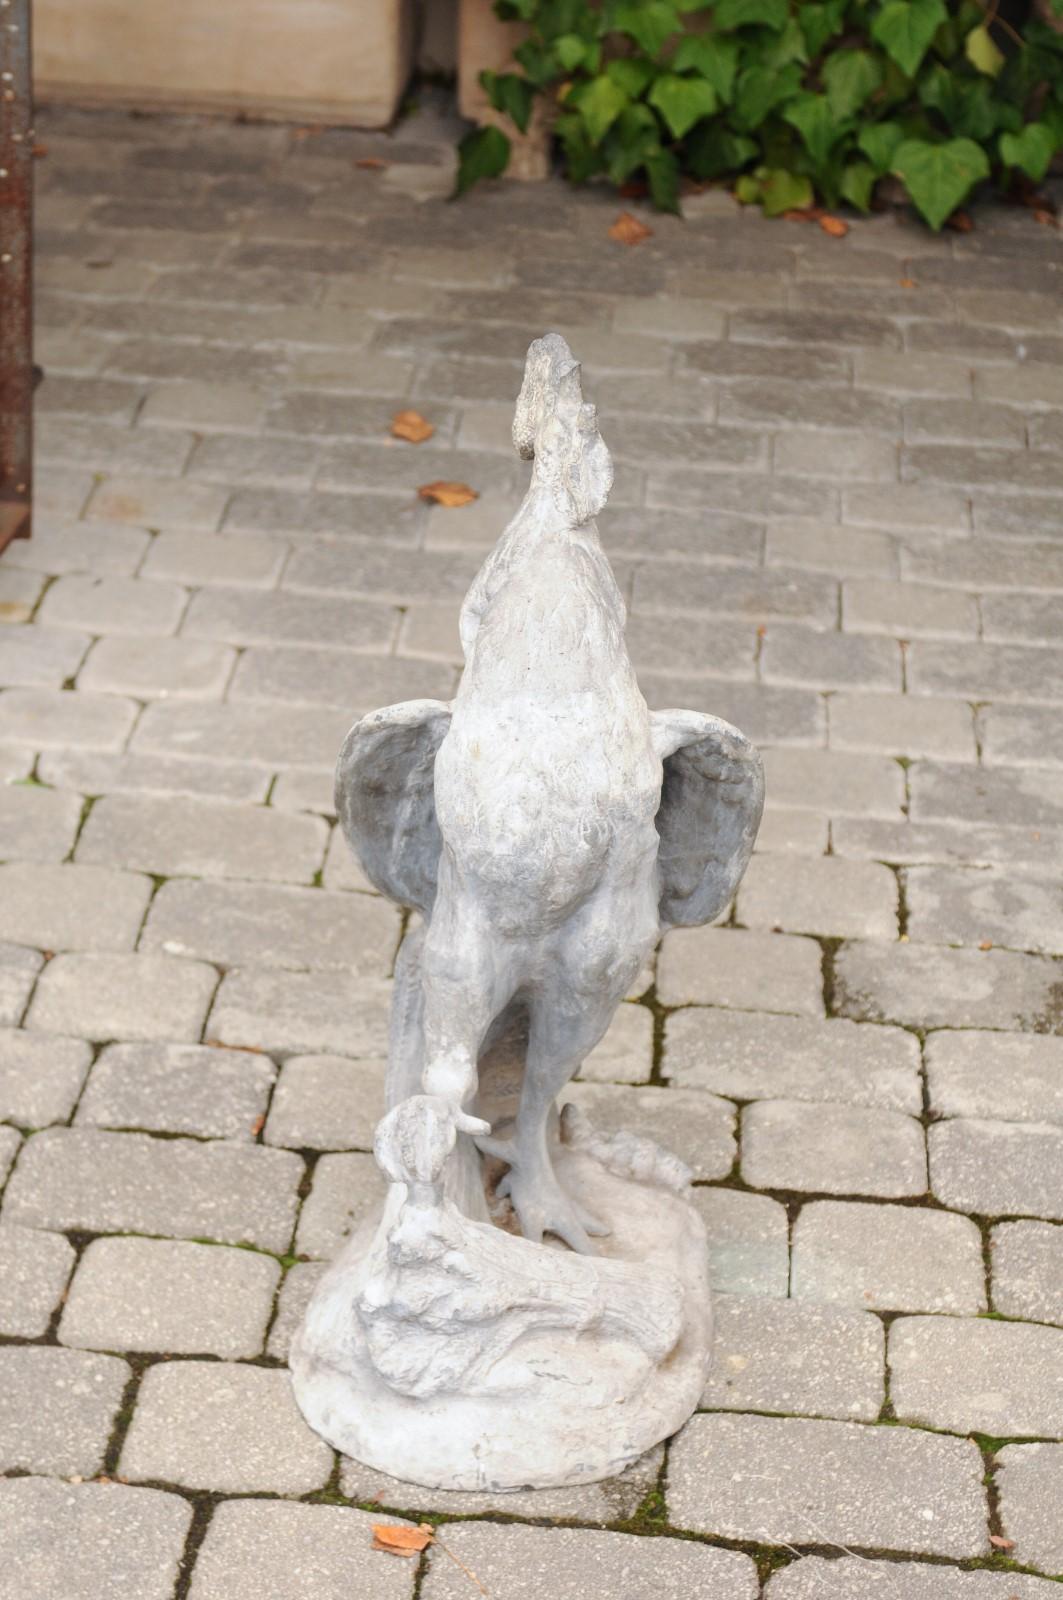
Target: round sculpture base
<point>549,1400</point>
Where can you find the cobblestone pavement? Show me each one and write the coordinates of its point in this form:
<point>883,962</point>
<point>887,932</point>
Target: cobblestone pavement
<point>839,519</point>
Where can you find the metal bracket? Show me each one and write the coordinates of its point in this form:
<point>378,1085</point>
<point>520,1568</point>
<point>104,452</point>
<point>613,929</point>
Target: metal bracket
<point>16,255</point>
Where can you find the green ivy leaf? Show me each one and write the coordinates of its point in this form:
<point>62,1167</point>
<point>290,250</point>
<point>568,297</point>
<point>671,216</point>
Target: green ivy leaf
<point>516,10</point>
<point>714,57</point>
<point>582,159</point>
<point>570,50</point>
<point>540,65</point>
<point>651,23</point>
<point>557,17</point>
<point>743,13</point>
<point>662,170</point>
<point>510,94</point>
<point>712,150</point>
<point>760,91</point>
<point>682,101</point>
<point>878,142</point>
<point>982,53</point>
<point>966,105</point>
<point>1031,150</point>
<point>904,29</point>
<point>850,77</point>
<point>858,180</point>
<point>789,46</point>
<point>599,103</point>
<point>820,23</point>
<point>814,120</point>
<point>634,136</point>
<point>939,176</point>
<point>630,75</point>
<point>784,191</point>
<point>747,189</point>
<point>483,153</point>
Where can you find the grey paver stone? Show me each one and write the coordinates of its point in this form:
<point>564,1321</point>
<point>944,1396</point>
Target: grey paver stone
<point>34,1268</point>
<point>62,544</point>
<point>342,869</point>
<point>37,824</point>
<point>299,1013</point>
<point>205,405</point>
<point>49,718</point>
<point>843,899</point>
<point>794,1481</point>
<point>969,1374</point>
<point>300,1281</point>
<point>113,605</point>
<point>902,725</point>
<point>251,616</point>
<point>39,657</point>
<point>57,1408</point>
<point>852,1578</point>
<point>1014,1077</point>
<point>906,610</point>
<point>326,1103</point>
<point>150,669</point>
<point>40,1078</point>
<point>266,736</point>
<point>72,907</point>
<point>170,1296</point>
<point>94,772</point>
<point>756,1056</point>
<point>10,1145</point>
<point>837,782</point>
<point>831,1149</point>
<point>1012,796</point>
<point>998,1168</point>
<point>570,1563</point>
<point>887,1258</point>
<point>610,1500</point>
<point>123,996</point>
<point>740,969</point>
<point>1029,1479</point>
<point>827,547</point>
<point>795,1358</point>
<point>176,1188</point>
<point>177,835</point>
<point>830,660</point>
<point>87,1540</point>
<point>1027,1270</point>
<point>625,1055</point>
<point>269,1550</point>
<point>697,1127</point>
<point>931,987</point>
<point>178,1088</point>
<point>199,559</point>
<point>948,905</point>
<point>18,973</point>
<point>223,1426</point>
<point>1022,734</point>
<point>158,502</point>
<point>237,924</point>
<point>748,1241</point>
<point>346,1189</point>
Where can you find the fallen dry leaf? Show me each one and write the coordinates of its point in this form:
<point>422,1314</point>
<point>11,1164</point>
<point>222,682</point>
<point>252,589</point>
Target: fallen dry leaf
<point>39,151</point>
<point>907,283</point>
<point>372,163</point>
<point>448,494</point>
<point>257,1126</point>
<point>1000,1543</point>
<point>629,230</point>
<point>410,425</point>
<point>1045,218</point>
<point>307,133</point>
<point>401,1541</point>
<point>985,944</point>
<point>633,189</point>
<point>834,226</point>
<point>14,611</point>
<point>960,222</point>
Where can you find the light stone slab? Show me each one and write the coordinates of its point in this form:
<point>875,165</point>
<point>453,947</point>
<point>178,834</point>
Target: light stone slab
<point>224,1427</point>
<point>158,669</point>
<point>832,896</point>
<point>756,1056</point>
<point>852,1578</point>
<point>748,1241</point>
<point>86,1540</point>
<point>40,1077</point>
<point>574,1563</point>
<point>346,1188</point>
<point>170,1297</point>
<point>1027,1270</point>
<point>273,1550</point>
<point>122,996</point>
<point>625,1055</point>
<point>10,1144</point>
<point>828,1149</point>
<point>179,836</point>
<point>57,1408</point>
<point>34,1268</point>
<point>178,1088</point>
<point>295,1013</point>
<point>1029,1479</point>
<point>973,1374</point>
<point>795,1358</point>
<point>176,1188</point>
<point>326,1103</point>
<point>926,986</point>
<point>998,1169</point>
<point>300,1281</point>
<point>37,824</point>
<point>788,1480</point>
<point>997,1076</point>
<point>698,1128</point>
<point>18,974</point>
<point>887,1258</point>
<point>746,970</point>
<point>67,907</point>
<point>948,905</point>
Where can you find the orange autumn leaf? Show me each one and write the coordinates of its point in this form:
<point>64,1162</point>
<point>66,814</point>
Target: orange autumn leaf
<point>629,230</point>
<point>960,222</point>
<point>1000,1543</point>
<point>448,494</point>
<point>257,1126</point>
<point>372,163</point>
<point>834,226</point>
<point>985,944</point>
<point>401,1541</point>
<point>410,425</point>
<point>1045,218</point>
<point>907,283</point>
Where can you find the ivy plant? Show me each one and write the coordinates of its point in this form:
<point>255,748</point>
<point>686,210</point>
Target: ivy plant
<point>791,101</point>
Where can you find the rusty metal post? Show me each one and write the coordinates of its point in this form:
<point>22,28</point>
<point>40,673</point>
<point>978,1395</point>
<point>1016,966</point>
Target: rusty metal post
<point>16,304</point>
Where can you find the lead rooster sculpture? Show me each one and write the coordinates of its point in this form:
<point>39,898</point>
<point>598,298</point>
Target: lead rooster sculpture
<point>545,827</point>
